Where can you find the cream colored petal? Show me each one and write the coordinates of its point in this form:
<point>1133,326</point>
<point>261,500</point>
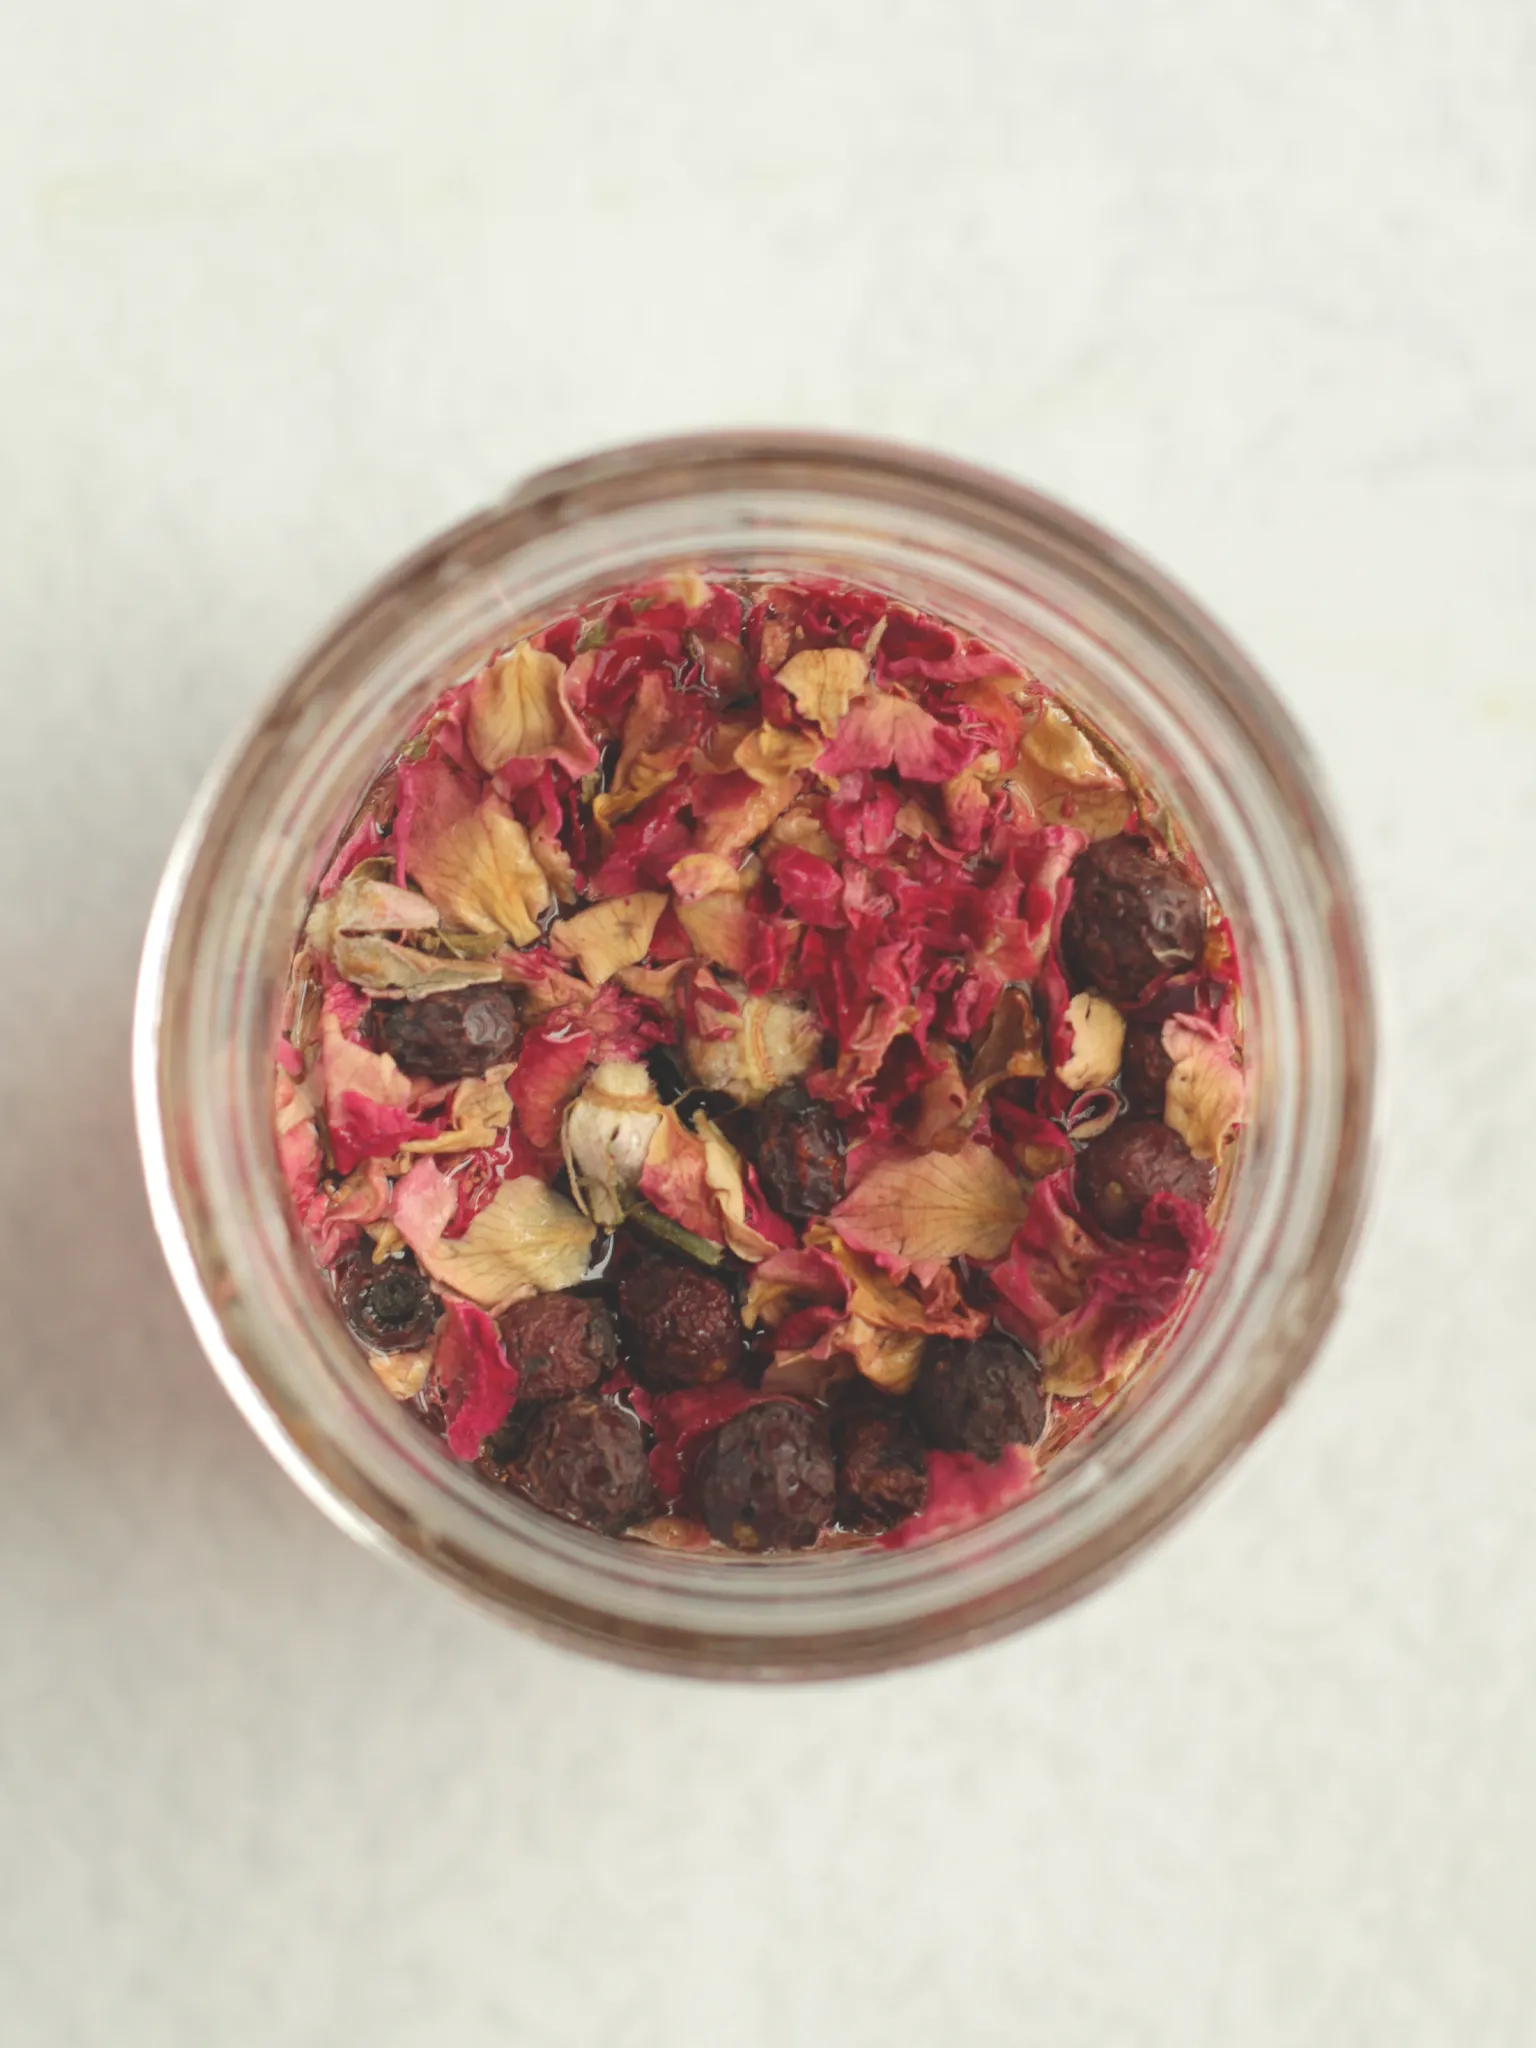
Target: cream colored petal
<point>939,1205</point>
<point>527,1240</point>
<point>1060,746</point>
<point>613,934</point>
<point>383,967</point>
<point>824,681</point>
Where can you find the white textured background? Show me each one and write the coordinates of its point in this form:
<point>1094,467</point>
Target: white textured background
<point>285,286</point>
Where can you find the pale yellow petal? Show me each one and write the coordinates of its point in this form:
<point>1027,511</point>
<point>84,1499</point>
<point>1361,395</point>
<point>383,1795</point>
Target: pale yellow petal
<point>1060,746</point>
<point>613,934</point>
<point>481,873</point>
<point>824,681</point>
<point>383,967</point>
<point>704,874</point>
<point>364,903</point>
<point>402,1373</point>
<point>518,711</point>
<point>938,1205</point>
<point>1204,1098</point>
<point>527,1240</point>
<point>481,1108</point>
<point>770,752</point>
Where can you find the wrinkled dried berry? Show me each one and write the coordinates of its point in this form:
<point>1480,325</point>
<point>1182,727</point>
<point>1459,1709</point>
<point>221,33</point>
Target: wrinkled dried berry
<point>978,1397</point>
<point>560,1344</point>
<point>1145,1067</point>
<point>882,1474</point>
<point>682,1324</point>
<point>1132,918</point>
<point>1135,1159</point>
<point>765,1480</point>
<point>389,1307</point>
<point>445,1037</point>
<point>799,1148</point>
<point>581,1459</point>
<point>501,1451</point>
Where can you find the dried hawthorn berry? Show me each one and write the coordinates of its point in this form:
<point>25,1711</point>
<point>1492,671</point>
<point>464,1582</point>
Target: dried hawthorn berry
<point>799,1153</point>
<point>978,1397</point>
<point>389,1307</point>
<point>1135,1159</point>
<point>882,1474</point>
<point>1145,1067</point>
<point>583,1460</point>
<point>765,1480</point>
<point>682,1324</point>
<point>445,1037</point>
<point>501,1450</point>
<point>1132,918</point>
<point>560,1344</point>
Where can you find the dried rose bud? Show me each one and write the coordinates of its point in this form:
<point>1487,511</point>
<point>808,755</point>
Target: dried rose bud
<point>799,1153</point>
<point>682,1325</point>
<point>765,1480</point>
<point>1135,1159</point>
<point>978,1397</point>
<point>388,1307</point>
<point>1132,918</point>
<point>560,1344</point>
<point>768,1042</point>
<point>607,1132</point>
<point>445,1037</point>
<point>583,1460</point>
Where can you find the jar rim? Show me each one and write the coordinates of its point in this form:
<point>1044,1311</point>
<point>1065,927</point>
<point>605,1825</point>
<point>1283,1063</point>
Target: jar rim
<point>808,1616</point>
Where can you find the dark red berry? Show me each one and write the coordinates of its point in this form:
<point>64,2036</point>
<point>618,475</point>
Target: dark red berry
<point>1132,918</point>
<point>446,1037</point>
<point>978,1397</point>
<point>799,1153</point>
<point>388,1307</point>
<point>882,1473</point>
<point>765,1480</point>
<point>1145,1067</point>
<point>581,1459</point>
<point>1135,1159</point>
<point>560,1344</point>
<point>682,1325</point>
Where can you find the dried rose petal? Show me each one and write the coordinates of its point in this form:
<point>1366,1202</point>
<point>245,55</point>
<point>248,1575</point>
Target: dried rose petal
<point>1205,1085</point>
<point>476,1383</point>
<point>526,1240</point>
<point>611,935</point>
<point>883,731</point>
<point>935,1205</point>
<point>835,865</point>
<point>471,856</point>
<point>824,682</point>
<point>518,711</point>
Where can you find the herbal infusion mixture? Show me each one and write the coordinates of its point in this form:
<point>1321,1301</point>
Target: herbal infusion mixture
<point>754,1073</point>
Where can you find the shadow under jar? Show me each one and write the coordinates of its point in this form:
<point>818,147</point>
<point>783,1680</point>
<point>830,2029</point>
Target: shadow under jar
<point>1125,650</point>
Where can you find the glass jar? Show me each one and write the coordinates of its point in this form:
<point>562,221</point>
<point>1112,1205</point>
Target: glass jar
<point>1095,622</point>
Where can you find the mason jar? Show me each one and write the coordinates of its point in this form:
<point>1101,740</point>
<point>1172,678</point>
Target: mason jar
<point>1097,624</point>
